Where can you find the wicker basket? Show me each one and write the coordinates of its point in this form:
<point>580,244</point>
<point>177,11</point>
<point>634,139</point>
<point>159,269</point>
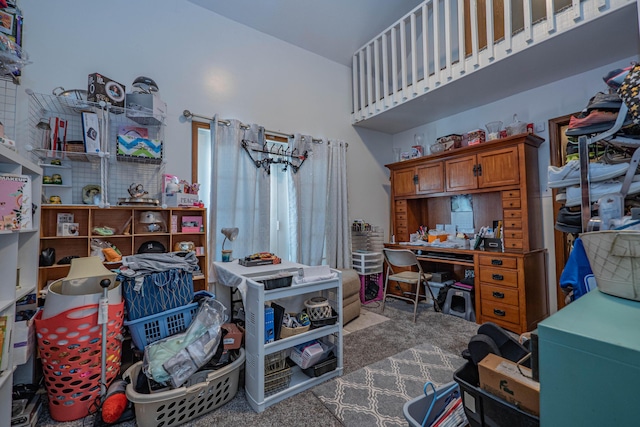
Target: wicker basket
<point>286,332</point>
<point>615,260</point>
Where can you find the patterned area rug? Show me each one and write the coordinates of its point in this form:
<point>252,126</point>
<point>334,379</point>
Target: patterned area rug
<point>375,394</point>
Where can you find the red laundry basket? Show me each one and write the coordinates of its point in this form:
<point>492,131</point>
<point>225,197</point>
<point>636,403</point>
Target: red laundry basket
<point>70,349</point>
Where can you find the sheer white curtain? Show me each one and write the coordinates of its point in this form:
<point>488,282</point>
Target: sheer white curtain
<point>318,210</point>
<point>337,221</point>
<point>308,201</point>
<point>240,192</point>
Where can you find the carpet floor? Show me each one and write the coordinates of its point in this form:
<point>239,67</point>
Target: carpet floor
<point>362,347</point>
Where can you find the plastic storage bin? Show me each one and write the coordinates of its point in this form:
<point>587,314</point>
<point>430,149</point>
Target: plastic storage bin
<point>177,406</point>
<point>148,329</point>
<point>365,262</point>
<point>416,409</point>
<point>483,408</point>
<point>371,282</point>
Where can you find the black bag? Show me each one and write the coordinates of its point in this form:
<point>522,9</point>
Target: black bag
<point>442,295</point>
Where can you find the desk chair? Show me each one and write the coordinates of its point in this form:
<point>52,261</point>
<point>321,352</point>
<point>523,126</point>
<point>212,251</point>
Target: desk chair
<point>404,258</point>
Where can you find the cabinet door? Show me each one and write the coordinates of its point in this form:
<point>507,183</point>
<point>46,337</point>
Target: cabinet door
<point>461,173</point>
<point>498,168</point>
<point>430,178</point>
<point>404,183</point>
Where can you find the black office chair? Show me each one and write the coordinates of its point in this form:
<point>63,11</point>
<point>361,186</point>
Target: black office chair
<point>405,258</point>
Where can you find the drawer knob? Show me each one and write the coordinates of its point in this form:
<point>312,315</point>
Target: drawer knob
<point>497,276</point>
<point>498,295</point>
<point>499,312</point>
<point>496,262</point>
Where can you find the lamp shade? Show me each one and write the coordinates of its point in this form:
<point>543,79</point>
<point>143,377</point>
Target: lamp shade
<point>229,233</point>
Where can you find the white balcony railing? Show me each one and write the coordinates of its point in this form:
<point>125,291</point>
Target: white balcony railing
<point>441,41</point>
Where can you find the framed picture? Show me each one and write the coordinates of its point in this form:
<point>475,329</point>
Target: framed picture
<point>416,151</point>
<point>191,224</point>
<point>6,22</point>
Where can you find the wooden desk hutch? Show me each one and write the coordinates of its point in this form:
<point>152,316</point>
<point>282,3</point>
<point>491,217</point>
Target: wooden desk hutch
<point>502,177</point>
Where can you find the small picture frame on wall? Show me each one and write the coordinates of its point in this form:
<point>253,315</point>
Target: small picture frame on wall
<point>6,22</point>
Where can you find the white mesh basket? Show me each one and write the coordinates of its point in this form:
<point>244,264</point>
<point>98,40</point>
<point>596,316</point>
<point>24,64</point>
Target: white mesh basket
<point>614,256</point>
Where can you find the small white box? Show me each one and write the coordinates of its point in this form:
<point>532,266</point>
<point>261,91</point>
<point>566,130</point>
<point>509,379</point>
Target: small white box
<point>9,143</point>
<point>146,108</point>
<point>68,229</point>
<point>179,199</point>
<point>24,340</point>
<point>91,132</point>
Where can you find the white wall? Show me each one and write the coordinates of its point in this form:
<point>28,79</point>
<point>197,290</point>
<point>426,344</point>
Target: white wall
<point>536,106</point>
<point>207,64</point>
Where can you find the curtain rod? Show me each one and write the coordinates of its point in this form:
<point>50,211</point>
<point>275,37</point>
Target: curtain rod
<point>188,114</point>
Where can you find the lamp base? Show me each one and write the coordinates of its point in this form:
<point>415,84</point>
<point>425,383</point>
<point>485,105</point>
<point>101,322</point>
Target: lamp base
<point>226,255</point>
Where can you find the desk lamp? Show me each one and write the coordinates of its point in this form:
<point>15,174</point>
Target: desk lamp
<point>231,234</point>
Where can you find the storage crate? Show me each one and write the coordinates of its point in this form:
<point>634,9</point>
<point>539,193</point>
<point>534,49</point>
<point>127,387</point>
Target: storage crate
<point>160,292</point>
<point>365,262</point>
<point>483,408</point>
<point>371,281</point>
<point>416,409</point>
<point>275,361</point>
<point>177,406</point>
<point>149,329</point>
<point>276,381</point>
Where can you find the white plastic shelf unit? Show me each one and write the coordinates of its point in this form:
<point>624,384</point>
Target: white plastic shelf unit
<point>19,267</point>
<point>256,349</point>
<point>366,262</point>
<point>367,240</point>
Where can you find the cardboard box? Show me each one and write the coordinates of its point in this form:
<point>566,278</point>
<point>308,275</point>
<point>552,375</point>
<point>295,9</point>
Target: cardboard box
<point>91,132</point>
<point>179,199</point>
<point>269,331</point>
<point>15,202</point>
<point>233,339</point>
<point>102,88</point>
<point>146,108</point>
<point>502,378</point>
<point>68,229</point>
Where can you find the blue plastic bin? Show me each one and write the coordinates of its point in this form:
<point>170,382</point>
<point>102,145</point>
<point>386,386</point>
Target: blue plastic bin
<point>152,328</point>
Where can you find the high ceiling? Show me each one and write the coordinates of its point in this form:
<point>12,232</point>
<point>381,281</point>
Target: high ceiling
<point>334,29</point>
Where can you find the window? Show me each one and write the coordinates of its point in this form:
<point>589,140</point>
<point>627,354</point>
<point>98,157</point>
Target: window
<point>202,173</point>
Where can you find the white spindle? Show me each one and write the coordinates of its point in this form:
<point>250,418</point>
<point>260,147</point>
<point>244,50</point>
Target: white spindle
<point>575,8</point>
<point>489,19</point>
<point>394,64</point>
<point>369,63</point>
<point>403,58</point>
<point>436,41</point>
<point>447,39</point>
<point>528,21</point>
<point>473,15</point>
<point>551,17</point>
<point>507,26</point>
<point>461,45</point>
<point>354,84</point>
<point>385,71</point>
<point>362,100</point>
<point>414,56</point>
<point>376,63</point>
<point>425,45</point>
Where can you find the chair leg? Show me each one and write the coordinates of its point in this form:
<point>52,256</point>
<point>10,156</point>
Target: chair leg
<point>415,302</point>
<point>384,294</point>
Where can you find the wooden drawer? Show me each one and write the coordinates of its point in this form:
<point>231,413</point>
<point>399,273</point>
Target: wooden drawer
<point>513,243</point>
<point>510,203</point>
<point>498,261</point>
<point>402,234</point>
<point>499,294</point>
<point>513,234</point>
<point>512,214</point>
<point>499,276</point>
<point>503,312</point>
<point>511,194</point>
<point>401,206</point>
<point>512,223</point>
<point>400,216</point>
<point>401,224</point>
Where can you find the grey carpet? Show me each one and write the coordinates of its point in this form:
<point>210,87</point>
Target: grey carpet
<point>361,348</point>
<point>375,394</point>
